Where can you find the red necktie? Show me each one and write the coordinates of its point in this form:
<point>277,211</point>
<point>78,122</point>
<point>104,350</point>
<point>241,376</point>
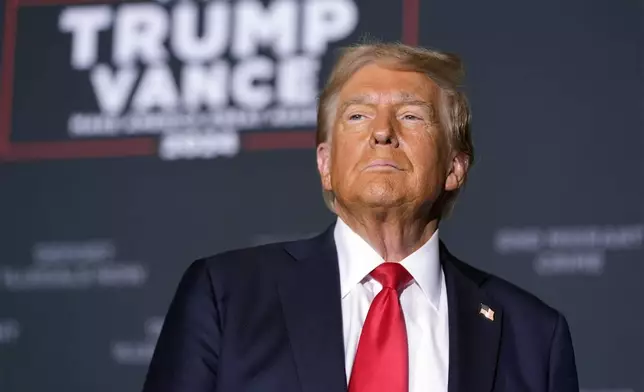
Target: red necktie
<point>381,362</point>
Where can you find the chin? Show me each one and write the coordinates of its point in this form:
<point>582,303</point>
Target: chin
<point>375,193</point>
<point>380,197</point>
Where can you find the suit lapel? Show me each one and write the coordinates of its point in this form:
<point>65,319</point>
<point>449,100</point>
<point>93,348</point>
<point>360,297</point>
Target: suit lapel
<point>473,339</point>
<point>310,294</point>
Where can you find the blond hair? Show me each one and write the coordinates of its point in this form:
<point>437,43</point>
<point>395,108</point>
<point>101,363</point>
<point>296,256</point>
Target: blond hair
<point>445,69</point>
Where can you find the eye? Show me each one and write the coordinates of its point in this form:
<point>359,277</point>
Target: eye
<point>356,117</point>
<point>411,117</point>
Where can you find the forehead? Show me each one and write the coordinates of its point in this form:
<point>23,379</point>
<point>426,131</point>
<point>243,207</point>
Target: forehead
<point>384,84</point>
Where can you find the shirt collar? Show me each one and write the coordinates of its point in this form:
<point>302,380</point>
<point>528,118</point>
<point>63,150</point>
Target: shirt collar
<point>357,258</point>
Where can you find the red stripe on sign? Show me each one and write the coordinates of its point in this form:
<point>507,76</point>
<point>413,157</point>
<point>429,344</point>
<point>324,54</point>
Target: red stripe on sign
<point>410,22</point>
<point>278,140</point>
<point>6,84</point>
<point>34,3</point>
<point>34,151</point>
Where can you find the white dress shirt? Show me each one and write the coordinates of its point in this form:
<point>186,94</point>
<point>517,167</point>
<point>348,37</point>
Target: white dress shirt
<point>424,305</point>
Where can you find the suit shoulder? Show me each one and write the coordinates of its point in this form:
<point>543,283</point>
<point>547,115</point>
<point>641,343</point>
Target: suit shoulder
<point>246,261</point>
<point>514,298</point>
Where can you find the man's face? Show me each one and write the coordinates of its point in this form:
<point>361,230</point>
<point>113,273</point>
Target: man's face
<point>387,147</point>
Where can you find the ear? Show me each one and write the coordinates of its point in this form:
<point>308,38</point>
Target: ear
<point>458,170</point>
<point>324,164</point>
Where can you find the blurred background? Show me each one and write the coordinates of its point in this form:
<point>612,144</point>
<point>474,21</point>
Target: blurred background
<point>136,137</point>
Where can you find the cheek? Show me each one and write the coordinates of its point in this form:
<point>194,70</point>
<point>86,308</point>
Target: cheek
<point>345,152</point>
<point>339,162</point>
<point>426,159</point>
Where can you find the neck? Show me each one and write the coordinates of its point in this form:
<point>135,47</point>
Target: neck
<point>393,234</point>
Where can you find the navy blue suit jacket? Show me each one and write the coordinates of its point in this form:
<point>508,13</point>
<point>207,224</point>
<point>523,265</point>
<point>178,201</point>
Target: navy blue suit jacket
<point>269,319</point>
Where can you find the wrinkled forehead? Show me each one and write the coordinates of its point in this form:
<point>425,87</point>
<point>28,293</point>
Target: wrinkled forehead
<point>374,84</point>
<point>385,97</point>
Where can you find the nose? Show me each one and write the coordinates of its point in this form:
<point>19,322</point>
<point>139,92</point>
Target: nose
<point>383,133</point>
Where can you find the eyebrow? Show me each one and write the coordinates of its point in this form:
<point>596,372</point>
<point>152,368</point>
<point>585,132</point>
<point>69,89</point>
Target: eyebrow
<point>401,98</point>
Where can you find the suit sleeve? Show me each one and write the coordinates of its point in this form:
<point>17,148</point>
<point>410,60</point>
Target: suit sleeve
<point>563,371</point>
<point>187,352</point>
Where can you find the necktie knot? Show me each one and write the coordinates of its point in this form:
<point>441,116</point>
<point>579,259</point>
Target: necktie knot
<point>391,275</point>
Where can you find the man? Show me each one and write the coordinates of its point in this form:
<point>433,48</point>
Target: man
<point>375,303</point>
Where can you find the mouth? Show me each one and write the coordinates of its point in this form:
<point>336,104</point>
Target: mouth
<point>383,164</point>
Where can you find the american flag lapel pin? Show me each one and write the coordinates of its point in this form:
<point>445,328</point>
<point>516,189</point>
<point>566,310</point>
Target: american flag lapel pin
<point>487,312</point>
